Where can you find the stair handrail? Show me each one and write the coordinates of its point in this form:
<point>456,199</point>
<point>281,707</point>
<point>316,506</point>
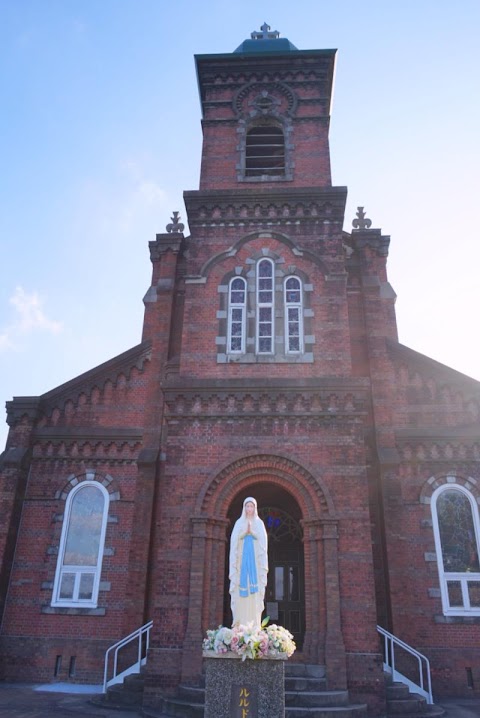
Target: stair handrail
<point>141,655</point>
<point>390,641</point>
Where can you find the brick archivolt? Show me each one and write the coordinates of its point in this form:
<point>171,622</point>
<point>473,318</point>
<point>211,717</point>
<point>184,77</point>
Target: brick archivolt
<point>279,236</point>
<point>451,478</point>
<point>74,480</point>
<point>218,491</point>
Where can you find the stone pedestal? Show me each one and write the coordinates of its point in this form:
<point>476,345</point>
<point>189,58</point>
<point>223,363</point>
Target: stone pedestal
<point>244,689</point>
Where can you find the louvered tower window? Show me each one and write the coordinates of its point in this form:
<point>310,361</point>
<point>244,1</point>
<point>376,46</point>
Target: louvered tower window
<point>265,152</point>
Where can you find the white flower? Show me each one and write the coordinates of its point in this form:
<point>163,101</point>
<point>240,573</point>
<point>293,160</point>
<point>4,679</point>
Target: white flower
<point>225,635</point>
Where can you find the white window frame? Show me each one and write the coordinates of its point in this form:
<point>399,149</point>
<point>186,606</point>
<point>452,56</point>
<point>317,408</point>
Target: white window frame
<point>236,306</point>
<point>299,307</point>
<point>78,571</point>
<point>265,305</point>
<point>462,577</point>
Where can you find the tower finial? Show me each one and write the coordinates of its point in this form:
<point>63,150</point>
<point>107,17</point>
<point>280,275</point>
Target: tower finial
<point>266,34</point>
<point>175,225</point>
<point>361,222</point>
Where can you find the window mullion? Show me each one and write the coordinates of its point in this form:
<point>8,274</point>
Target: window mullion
<point>76,585</point>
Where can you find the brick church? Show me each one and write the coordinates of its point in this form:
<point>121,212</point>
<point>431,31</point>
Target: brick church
<point>269,365</point>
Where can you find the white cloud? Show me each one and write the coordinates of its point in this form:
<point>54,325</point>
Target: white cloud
<point>29,316</point>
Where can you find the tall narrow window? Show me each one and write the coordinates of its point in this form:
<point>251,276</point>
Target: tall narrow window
<point>79,564</point>
<point>265,151</point>
<point>236,316</point>
<point>265,306</point>
<point>456,529</point>
<point>293,316</point>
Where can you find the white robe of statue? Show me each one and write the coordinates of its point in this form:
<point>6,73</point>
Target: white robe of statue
<point>248,546</point>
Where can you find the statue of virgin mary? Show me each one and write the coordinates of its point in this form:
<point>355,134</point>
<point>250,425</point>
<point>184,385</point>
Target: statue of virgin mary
<point>248,566</point>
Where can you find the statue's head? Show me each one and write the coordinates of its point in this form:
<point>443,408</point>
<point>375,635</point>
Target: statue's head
<point>250,507</point>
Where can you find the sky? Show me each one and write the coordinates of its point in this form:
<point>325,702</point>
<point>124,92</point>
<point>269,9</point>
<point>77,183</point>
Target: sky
<point>100,135</point>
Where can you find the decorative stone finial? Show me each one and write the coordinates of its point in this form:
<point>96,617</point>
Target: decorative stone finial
<point>266,34</point>
<point>175,225</point>
<point>361,222</point>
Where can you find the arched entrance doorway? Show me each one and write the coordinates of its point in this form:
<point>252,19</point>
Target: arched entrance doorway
<point>285,594</point>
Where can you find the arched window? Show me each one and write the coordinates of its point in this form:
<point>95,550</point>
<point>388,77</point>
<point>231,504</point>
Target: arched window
<point>237,297</point>
<point>265,151</point>
<point>456,530</point>
<point>293,316</point>
<point>80,556</point>
<point>265,306</point>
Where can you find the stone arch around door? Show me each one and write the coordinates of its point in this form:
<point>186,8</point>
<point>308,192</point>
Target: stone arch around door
<point>323,638</point>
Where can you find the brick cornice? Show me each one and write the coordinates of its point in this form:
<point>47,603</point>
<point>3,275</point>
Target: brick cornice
<point>454,445</point>
<point>436,433</point>
<point>283,206</point>
<point>316,399</point>
<point>94,435</point>
<point>172,241</point>
<point>22,406</point>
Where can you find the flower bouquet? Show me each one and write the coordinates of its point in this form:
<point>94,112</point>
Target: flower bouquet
<point>250,642</point>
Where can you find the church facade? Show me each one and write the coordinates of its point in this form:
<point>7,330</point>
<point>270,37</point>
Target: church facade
<point>269,366</point>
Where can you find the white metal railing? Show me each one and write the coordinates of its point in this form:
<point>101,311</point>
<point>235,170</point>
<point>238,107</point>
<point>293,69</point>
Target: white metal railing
<point>424,685</point>
<point>142,635</point>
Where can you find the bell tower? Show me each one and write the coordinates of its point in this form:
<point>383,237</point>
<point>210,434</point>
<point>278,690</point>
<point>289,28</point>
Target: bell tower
<point>266,112</point>
<point>265,182</point>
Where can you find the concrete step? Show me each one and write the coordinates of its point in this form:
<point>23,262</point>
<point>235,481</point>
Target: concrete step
<point>178,708</point>
<point>121,696</point>
<point>192,694</point>
<point>397,691</point>
<point>426,712</point>
<point>316,699</point>
<point>134,682</point>
<point>302,683</point>
<point>350,711</point>
<point>304,670</point>
<point>406,706</point>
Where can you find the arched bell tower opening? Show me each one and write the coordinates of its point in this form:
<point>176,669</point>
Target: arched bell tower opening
<point>285,593</point>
